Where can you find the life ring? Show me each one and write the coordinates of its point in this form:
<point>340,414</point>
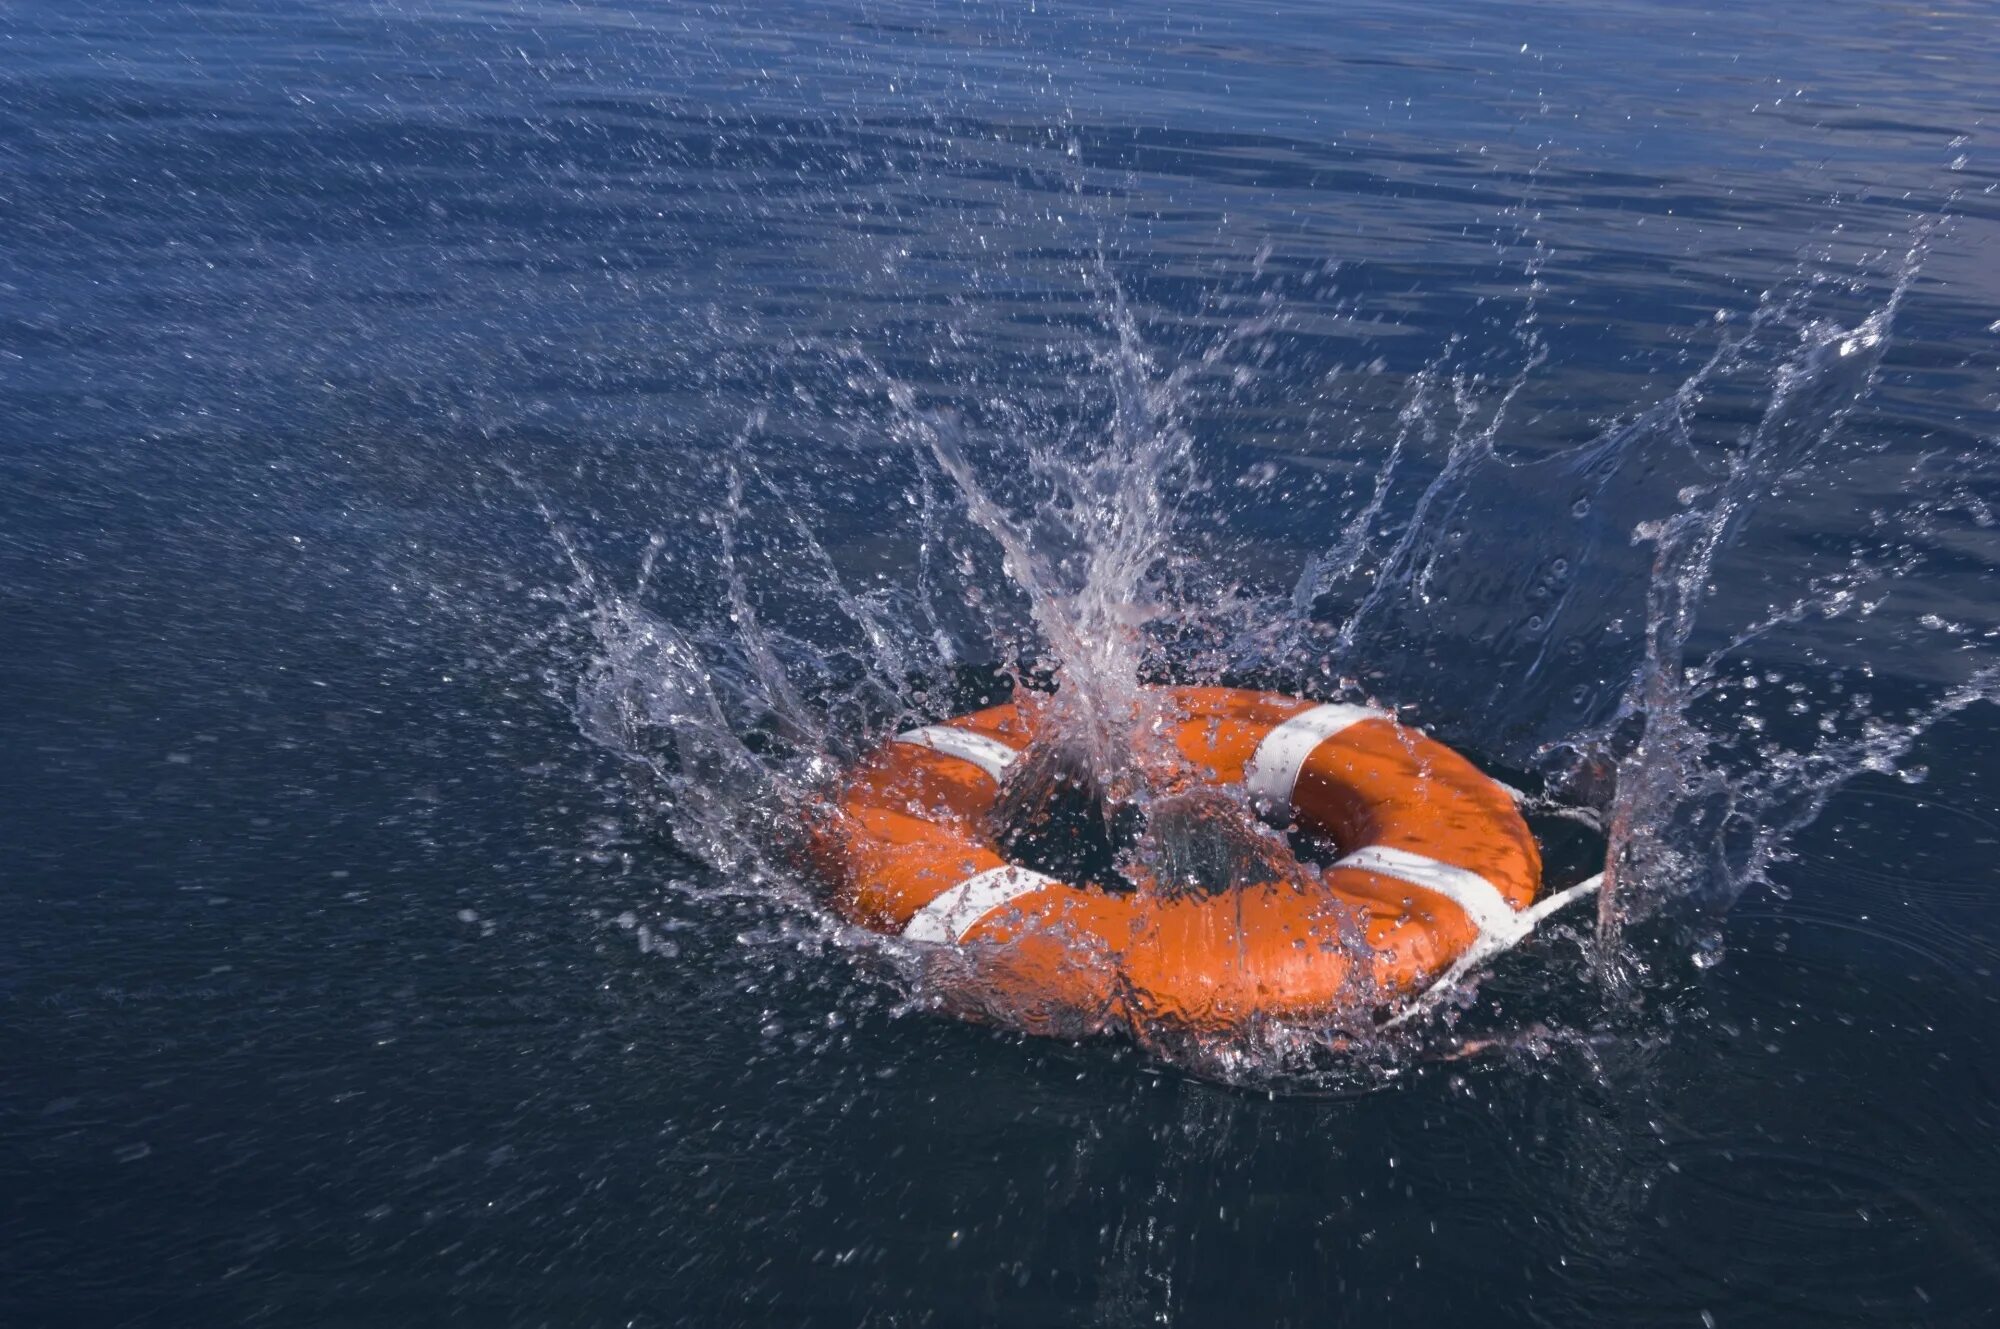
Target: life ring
<point>1436,863</point>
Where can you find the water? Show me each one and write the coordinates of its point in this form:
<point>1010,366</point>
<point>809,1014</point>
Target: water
<point>472,471</point>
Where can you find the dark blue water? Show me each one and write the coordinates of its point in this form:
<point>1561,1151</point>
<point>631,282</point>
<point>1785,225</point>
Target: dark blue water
<point>355,359</point>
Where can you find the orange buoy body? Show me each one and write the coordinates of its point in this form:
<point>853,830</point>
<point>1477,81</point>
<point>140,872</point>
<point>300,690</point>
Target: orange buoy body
<point>1434,859</point>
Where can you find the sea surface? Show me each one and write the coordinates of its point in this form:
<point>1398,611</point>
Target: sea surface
<point>467,466</point>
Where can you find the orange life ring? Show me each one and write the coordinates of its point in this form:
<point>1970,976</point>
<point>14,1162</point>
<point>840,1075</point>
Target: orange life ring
<point>1435,862</point>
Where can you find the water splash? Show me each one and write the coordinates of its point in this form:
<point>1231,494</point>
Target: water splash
<point>1691,819</point>
<point>1589,634</point>
<point>1086,550</point>
<point>1667,815</point>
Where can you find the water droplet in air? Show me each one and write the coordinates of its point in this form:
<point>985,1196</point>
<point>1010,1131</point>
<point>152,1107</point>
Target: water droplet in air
<point>1708,950</point>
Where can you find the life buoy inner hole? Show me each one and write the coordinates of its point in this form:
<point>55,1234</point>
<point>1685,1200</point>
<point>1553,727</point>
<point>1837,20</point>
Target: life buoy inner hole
<point>1200,841</point>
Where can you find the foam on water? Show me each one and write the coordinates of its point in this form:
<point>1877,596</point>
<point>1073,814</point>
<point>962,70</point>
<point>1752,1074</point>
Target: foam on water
<point>1062,548</point>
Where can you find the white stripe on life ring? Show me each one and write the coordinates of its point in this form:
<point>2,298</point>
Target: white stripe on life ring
<point>1479,898</point>
<point>988,754</point>
<point>1273,770</point>
<point>965,906</point>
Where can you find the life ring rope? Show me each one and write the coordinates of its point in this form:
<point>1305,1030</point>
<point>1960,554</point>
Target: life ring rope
<point>1488,947</point>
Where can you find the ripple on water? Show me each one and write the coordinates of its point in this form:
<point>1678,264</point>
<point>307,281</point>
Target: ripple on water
<point>1905,845</point>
